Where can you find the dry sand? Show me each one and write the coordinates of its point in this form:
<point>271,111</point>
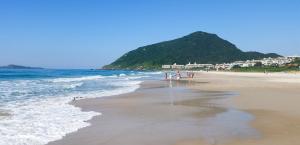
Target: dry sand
<point>263,111</point>
<point>273,99</point>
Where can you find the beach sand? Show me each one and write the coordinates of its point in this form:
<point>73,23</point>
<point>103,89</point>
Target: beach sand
<point>4,113</point>
<point>213,108</point>
<point>272,98</point>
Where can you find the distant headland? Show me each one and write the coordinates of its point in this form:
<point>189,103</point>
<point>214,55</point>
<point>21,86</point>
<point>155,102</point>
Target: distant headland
<point>13,66</point>
<point>198,47</point>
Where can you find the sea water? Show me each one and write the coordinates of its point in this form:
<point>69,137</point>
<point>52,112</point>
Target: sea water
<point>34,104</point>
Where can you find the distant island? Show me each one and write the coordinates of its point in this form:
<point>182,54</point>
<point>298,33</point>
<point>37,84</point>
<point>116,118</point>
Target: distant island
<point>12,66</point>
<point>198,47</point>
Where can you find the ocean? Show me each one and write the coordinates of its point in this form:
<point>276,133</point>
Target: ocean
<point>34,104</point>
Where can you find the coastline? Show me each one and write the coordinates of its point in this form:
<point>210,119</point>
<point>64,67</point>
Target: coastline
<point>158,113</point>
<point>35,106</point>
<point>275,118</point>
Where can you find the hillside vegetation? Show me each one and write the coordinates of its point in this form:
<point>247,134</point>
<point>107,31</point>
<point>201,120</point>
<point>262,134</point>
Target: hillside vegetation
<point>199,47</point>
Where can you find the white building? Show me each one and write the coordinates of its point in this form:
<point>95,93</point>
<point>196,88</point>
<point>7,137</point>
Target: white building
<point>280,61</point>
<point>176,66</point>
<point>166,66</point>
<point>224,66</point>
<point>195,65</point>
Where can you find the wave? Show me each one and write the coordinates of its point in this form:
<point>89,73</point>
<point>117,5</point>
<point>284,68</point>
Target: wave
<point>122,75</point>
<point>39,120</point>
<point>39,109</point>
<point>72,86</point>
<point>64,80</point>
<point>123,87</point>
<point>152,73</point>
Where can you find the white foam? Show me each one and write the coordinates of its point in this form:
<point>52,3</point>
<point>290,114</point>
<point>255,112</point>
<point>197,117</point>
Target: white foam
<point>71,86</point>
<point>124,87</point>
<point>59,80</point>
<point>122,75</point>
<point>137,77</point>
<point>152,73</point>
<point>38,122</point>
<point>42,119</point>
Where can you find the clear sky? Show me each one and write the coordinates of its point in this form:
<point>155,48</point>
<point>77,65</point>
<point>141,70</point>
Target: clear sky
<point>92,33</point>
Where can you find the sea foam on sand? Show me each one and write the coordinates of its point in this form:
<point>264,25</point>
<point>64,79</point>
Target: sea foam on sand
<point>37,121</point>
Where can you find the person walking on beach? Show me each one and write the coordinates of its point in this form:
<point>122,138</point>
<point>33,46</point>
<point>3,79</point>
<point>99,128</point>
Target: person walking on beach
<point>189,74</point>
<point>178,75</point>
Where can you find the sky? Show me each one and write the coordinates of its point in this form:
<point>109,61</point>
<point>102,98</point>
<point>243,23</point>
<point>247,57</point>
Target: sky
<point>92,33</point>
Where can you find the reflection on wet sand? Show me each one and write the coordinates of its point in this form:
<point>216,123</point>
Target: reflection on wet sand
<point>219,123</point>
<point>162,113</point>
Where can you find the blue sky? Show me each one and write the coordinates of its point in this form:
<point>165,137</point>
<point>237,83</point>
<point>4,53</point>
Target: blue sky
<point>92,33</point>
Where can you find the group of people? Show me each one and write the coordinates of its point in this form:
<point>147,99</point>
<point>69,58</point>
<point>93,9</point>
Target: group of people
<point>171,76</point>
<point>177,75</point>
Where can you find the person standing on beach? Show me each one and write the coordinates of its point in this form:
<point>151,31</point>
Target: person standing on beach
<point>170,76</point>
<point>178,76</point>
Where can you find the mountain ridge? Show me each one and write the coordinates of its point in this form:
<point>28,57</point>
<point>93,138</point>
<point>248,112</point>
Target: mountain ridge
<point>199,47</point>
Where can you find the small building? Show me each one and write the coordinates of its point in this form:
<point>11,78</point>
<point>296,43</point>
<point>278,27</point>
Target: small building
<point>195,65</point>
<point>176,66</point>
<point>166,66</point>
<point>294,57</point>
<point>224,66</point>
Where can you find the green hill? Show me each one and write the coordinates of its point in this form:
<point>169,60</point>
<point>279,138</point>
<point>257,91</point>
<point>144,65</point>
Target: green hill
<point>200,47</point>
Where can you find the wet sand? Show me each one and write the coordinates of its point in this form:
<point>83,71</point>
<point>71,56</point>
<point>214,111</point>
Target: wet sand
<point>160,113</point>
<point>213,108</point>
<point>4,113</point>
<point>272,98</point>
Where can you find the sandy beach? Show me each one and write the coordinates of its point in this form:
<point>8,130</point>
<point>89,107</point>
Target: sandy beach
<point>272,98</point>
<point>213,108</point>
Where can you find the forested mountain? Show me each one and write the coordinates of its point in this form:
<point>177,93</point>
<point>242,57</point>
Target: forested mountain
<point>199,47</point>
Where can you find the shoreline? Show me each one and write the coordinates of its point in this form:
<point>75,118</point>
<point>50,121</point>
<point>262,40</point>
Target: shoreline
<point>258,95</point>
<point>171,114</point>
